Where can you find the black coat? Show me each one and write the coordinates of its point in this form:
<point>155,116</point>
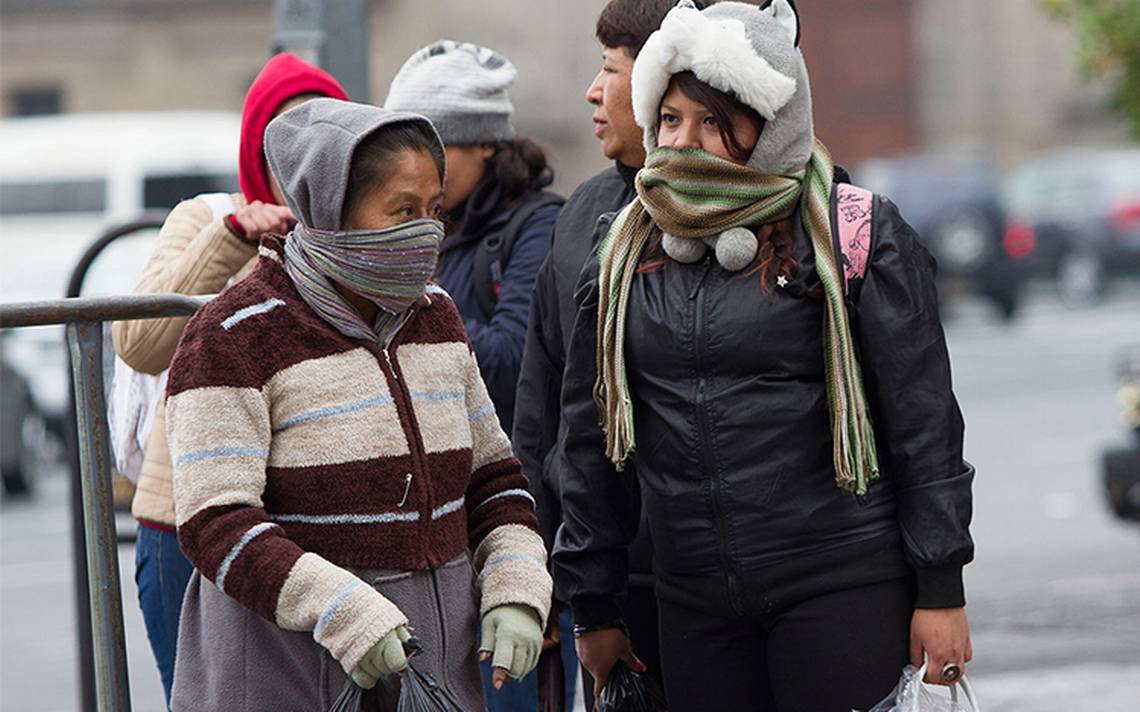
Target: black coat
<point>552,313</point>
<point>734,452</point>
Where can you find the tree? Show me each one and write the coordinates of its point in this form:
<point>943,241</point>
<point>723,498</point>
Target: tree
<point>1108,45</point>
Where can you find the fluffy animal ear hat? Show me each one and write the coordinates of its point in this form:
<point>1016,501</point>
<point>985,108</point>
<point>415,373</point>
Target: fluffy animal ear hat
<point>748,51</point>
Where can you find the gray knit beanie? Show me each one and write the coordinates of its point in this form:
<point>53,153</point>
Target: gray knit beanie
<point>461,87</point>
<point>751,52</point>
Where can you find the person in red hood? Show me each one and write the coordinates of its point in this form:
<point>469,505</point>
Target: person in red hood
<point>206,243</point>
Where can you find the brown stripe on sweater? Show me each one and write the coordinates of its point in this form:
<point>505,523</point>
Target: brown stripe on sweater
<point>255,578</point>
<point>208,536</point>
<point>442,537</point>
<point>286,336</point>
<point>440,323</point>
<point>256,575</point>
<point>364,486</point>
<point>396,545</point>
<point>485,483</point>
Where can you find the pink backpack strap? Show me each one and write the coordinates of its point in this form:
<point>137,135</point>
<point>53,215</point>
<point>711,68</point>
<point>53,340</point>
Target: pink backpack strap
<point>853,230</point>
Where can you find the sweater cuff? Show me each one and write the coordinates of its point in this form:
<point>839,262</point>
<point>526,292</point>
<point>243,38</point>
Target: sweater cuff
<point>235,228</point>
<point>511,563</point>
<point>592,611</point>
<point>940,587</point>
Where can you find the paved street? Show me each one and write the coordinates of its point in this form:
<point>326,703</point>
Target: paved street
<point>1054,594</point>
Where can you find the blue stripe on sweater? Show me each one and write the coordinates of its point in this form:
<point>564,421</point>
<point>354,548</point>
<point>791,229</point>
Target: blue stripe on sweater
<point>232,451</point>
<point>449,508</point>
<point>503,558</point>
<point>483,411</point>
<point>383,518</point>
<point>334,604</point>
<point>246,538</point>
<point>437,396</point>
<point>246,312</point>
<point>382,399</point>
<point>507,493</point>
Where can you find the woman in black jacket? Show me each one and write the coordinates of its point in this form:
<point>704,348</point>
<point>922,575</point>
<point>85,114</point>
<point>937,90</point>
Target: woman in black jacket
<point>797,444</point>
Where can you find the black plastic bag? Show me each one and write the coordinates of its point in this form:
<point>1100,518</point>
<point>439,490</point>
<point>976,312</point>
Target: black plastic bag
<point>629,691</point>
<point>354,698</point>
<point>411,691</point>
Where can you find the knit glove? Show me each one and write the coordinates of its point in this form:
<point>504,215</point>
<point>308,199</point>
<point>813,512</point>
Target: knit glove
<point>513,634</point>
<point>384,659</point>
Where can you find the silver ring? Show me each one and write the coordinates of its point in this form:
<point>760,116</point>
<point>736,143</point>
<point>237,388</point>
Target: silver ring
<point>951,672</point>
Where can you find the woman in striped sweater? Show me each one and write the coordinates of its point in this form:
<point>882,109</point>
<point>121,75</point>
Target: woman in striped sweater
<point>340,476</point>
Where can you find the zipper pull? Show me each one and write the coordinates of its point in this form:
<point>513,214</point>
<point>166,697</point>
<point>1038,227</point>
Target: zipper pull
<point>388,360</point>
<point>407,489</point>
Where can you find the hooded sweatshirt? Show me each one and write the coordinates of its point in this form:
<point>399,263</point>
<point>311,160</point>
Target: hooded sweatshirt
<point>301,454</point>
<point>282,78</point>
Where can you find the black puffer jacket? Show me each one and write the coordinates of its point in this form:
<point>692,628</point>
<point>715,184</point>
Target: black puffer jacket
<point>733,461</point>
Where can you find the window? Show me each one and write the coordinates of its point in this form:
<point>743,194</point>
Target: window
<point>67,196</point>
<point>164,192</point>
<point>35,101</point>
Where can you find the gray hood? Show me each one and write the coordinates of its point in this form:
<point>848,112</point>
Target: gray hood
<point>309,150</point>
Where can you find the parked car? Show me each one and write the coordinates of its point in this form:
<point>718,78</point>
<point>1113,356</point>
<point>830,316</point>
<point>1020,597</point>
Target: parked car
<point>954,204</point>
<point>63,180</point>
<point>1122,462</point>
<point>21,429</point>
<point>1081,207</point>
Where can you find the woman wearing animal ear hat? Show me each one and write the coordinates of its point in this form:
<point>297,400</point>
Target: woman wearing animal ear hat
<point>788,405</point>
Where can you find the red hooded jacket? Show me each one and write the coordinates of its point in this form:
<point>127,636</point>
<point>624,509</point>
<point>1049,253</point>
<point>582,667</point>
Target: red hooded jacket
<point>282,78</point>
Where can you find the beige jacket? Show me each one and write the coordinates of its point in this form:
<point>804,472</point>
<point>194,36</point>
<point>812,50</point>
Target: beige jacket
<point>195,254</point>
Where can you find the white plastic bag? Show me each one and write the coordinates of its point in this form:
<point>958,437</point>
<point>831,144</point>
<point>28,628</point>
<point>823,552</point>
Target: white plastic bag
<point>913,695</point>
<point>130,415</point>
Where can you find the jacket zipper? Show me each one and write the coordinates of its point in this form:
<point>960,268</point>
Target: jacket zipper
<point>404,408</point>
<point>705,430</point>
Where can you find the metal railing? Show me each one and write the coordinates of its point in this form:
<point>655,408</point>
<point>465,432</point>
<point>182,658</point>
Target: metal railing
<point>84,319</point>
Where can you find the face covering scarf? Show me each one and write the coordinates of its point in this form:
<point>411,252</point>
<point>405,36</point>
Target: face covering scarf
<point>691,194</point>
<point>389,268</point>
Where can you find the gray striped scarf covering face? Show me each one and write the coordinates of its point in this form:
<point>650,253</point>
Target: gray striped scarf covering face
<point>390,268</point>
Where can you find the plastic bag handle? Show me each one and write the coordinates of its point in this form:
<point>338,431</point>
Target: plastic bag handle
<point>963,683</point>
<point>967,692</point>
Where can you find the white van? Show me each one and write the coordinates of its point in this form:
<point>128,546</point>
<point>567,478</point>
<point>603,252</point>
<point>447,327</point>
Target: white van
<point>65,179</point>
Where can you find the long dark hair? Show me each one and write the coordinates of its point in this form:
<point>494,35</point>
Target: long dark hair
<point>776,254</point>
<point>372,160</point>
<point>519,167</point>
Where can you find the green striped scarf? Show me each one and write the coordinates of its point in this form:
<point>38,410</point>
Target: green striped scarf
<point>693,194</point>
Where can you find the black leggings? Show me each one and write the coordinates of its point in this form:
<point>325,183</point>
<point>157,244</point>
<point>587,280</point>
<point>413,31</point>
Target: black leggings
<point>832,653</point>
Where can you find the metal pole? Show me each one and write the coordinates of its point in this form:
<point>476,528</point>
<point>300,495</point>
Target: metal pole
<point>112,686</point>
<point>332,34</point>
<point>345,50</point>
<point>81,585</point>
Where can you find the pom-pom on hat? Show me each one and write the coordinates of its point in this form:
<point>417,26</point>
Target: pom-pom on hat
<point>745,50</point>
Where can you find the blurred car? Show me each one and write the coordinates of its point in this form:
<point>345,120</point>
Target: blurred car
<point>1122,463</point>
<point>21,430</point>
<point>63,180</point>
<point>1081,208</point>
<point>954,204</point>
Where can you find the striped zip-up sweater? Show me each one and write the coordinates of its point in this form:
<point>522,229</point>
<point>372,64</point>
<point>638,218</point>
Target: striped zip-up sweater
<point>300,453</point>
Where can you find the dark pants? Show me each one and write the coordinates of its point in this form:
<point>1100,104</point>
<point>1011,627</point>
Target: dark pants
<point>639,610</point>
<point>832,653</point>
<point>161,574</point>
